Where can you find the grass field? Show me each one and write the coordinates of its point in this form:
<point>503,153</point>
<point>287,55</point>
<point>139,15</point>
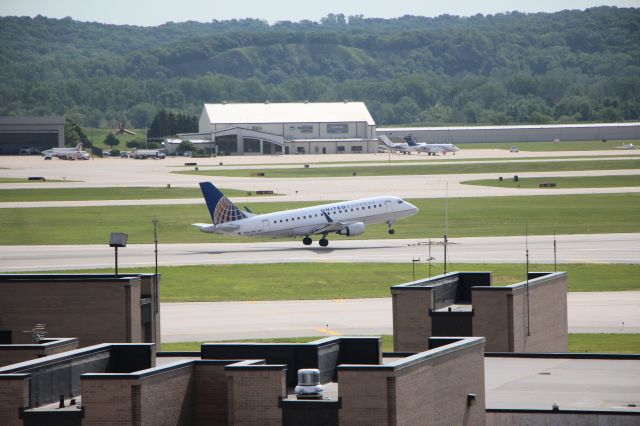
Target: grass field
<point>590,343</point>
<point>120,193</point>
<point>550,146</point>
<point>321,281</point>
<point>563,182</point>
<point>485,216</point>
<point>424,169</point>
<point>605,343</point>
<point>97,136</point>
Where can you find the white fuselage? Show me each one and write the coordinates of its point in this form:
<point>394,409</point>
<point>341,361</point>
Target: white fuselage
<point>304,221</point>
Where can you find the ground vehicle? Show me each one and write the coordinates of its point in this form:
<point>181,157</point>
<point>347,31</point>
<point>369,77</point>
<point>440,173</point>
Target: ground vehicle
<point>514,149</point>
<point>140,154</point>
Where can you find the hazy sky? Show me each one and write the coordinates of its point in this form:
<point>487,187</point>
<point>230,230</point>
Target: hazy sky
<point>147,12</point>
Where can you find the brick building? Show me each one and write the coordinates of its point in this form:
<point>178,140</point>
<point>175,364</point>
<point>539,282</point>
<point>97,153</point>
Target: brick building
<point>530,316</point>
<point>119,384</point>
<point>94,308</point>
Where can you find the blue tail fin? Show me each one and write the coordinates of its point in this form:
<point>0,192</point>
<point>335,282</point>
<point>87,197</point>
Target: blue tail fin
<point>409,139</point>
<point>220,208</point>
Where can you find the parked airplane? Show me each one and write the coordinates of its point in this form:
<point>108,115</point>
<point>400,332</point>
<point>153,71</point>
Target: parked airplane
<point>627,146</point>
<point>344,218</point>
<point>441,147</point>
<point>75,153</point>
<point>403,148</point>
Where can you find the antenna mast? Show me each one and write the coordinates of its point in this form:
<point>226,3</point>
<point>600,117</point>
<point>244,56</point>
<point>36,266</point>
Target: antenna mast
<point>555,252</point>
<point>526,244</point>
<point>446,224</point>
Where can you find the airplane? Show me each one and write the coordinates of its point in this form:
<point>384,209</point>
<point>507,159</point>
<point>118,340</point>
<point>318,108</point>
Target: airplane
<point>75,153</point>
<point>344,218</point>
<point>121,130</point>
<point>435,147</point>
<point>627,146</point>
<point>402,148</point>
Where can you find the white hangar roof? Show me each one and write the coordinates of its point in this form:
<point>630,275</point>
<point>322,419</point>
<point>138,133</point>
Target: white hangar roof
<point>303,112</point>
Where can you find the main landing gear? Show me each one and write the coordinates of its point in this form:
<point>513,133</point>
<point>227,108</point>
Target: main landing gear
<point>391,230</point>
<point>322,241</point>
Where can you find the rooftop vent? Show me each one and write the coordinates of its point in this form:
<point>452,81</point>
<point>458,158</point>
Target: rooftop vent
<point>309,383</point>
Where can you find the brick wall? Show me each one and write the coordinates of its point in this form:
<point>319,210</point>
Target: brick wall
<point>107,402</point>
<point>210,394</point>
<point>492,319</point>
<point>436,393</point>
<point>411,321</point>
<point>429,388</point>
<point>548,317</point>
<point>14,393</point>
<point>12,354</point>
<point>253,395</point>
<point>365,397</point>
<point>502,315</point>
<point>94,311</point>
<point>167,399</point>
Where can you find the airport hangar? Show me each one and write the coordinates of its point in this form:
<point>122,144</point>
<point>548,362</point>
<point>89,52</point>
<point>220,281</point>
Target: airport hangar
<point>38,133</point>
<point>283,128</point>
<point>518,133</point>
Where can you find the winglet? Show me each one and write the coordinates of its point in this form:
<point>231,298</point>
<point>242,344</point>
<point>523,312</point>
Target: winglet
<point>220,208</point>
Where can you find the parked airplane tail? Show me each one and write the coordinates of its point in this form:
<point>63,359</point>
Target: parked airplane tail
<point>220,207</point>
<point>385,140</point>
<point>409,140</point>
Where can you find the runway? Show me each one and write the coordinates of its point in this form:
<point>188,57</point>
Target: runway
<point>580,248</point>
<point>601,312</point>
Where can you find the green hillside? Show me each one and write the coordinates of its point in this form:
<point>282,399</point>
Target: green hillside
<point>569,66</point>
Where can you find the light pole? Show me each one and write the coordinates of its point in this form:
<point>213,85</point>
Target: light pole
<point>413,267</point>
<point>155,242</point>
<point>117,239</point>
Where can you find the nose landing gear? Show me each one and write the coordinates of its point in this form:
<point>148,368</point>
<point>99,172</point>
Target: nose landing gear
<point>391,230</point>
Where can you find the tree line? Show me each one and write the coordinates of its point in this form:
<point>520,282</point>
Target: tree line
<point>569,66</point>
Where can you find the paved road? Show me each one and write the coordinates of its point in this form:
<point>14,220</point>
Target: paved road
<point>336,188</point>
<point>130,173</point>
<point>597,248</point>
<point>602,312</point>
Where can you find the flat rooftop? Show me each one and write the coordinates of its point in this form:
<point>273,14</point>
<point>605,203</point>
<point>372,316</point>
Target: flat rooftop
<point>529,383</point>
<point>573,384</point>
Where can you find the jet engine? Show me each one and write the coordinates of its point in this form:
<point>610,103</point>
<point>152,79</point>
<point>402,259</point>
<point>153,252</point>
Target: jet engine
<point>351,229</point>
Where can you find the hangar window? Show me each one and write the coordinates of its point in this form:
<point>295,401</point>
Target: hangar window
<point>338,128</point>
<point>357,148</point>
<point>340,148</point>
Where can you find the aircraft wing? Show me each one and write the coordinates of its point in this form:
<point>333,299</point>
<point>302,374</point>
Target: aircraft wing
<point>222,227</point>
<point>330,226</point>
